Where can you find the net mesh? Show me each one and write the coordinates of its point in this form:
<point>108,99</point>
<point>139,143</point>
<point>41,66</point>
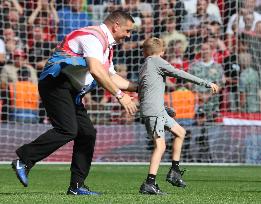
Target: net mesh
<point>215,40</point>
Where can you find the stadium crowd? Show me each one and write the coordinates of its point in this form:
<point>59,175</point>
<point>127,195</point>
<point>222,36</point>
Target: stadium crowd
<point>218,40</point>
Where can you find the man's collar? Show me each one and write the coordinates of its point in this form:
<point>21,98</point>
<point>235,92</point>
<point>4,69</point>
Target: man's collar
<point>105,29</point>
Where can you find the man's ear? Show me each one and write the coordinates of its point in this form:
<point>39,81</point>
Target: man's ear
<point>116,26</point>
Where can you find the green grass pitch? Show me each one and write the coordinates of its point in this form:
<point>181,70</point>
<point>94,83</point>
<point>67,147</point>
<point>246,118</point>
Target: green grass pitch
<point>120,184</point>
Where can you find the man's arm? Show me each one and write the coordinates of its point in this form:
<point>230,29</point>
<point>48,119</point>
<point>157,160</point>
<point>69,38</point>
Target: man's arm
<point>124,84</point>
<point>102,77</point>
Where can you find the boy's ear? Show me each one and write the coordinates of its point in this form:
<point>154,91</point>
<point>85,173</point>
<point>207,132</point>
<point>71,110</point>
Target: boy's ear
<point>162,54</point>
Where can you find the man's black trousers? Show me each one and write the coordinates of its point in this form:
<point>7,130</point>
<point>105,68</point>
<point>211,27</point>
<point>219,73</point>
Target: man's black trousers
<point>70,122</point>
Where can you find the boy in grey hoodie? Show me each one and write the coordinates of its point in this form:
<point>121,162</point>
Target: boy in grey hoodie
<point>152,78</point>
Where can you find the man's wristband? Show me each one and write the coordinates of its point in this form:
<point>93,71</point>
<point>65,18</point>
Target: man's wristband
<point>119,94</point>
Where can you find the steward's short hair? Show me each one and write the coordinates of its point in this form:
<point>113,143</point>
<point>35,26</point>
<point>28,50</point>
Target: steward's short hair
<point>120,16</point>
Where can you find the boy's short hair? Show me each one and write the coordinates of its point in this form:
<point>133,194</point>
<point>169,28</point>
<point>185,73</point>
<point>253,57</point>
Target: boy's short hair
<point>153,46</point>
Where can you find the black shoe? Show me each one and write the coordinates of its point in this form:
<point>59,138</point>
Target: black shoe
<point>152,189</point>
<point>84,190</point>
<point>174,177</point>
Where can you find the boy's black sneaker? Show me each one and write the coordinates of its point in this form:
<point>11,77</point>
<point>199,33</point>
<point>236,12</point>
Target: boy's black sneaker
<point>175,178</point>
<point>151,189</point>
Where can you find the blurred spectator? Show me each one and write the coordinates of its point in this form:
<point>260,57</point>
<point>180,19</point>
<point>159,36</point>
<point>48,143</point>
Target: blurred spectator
<point>230,95</point>
<point>2,53</point>
<point>17,22</point>
<point>145,7</point>
<point>162,11</point>
<point>245,19</point>
<point>230,101</point>
<point>249,85</point>
<point>258,6</point>
<point>228,8</point>
<point>190,6</point>
<point>138,9</point>
<point>172,34</point>
<point>9,74</point>
<point>24,98</point>
<point>218,47</point>
<point>175,56</point>
<point>206,68</point>
<point>45,16</point>
<point>9,71</point>
<point>72,17</point>
<point>258,28</point>
<point>5,6</point>
<point>183,101</point>
<point>109,6</point>
<point>195,26</point>
<point>40,48</point>
<point>212,8</point>
<point>131,6</point>
<point>97,10</point>
<point>178,8</point>
<point>15,4</point>
<point>12,42</point>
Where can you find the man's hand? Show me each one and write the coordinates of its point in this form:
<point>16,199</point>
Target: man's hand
<point>128,104</point>
<point>214,88</point>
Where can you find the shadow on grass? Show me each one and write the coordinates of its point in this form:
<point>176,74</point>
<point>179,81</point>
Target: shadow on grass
<point>223,180</point>
<point>31,193</point>
<point>248,191</point>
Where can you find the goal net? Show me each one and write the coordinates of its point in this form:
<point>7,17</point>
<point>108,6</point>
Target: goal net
<point>216,40</point>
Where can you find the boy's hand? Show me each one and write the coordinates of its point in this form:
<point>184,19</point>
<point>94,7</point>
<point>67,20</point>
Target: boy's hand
<point>214,88</point>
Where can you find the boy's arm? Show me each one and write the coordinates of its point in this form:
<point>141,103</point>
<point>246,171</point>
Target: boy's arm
<point>171,71</point>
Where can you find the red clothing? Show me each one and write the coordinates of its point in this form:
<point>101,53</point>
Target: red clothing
<point>218,56</point>
<point>184,65</point>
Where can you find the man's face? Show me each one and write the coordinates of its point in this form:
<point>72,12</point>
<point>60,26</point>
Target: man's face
<point>178,49</point>
<point>122,30</point>
<point>206,50</point>
<point>147,24</point>
<point>19,60</point>
<point>8,34</point>
<point>202,7</point>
